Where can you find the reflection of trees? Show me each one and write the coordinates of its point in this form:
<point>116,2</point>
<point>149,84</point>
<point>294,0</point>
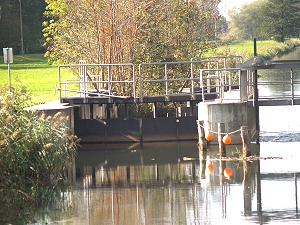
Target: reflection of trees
<point>129,175</point>
<point>162,193</point>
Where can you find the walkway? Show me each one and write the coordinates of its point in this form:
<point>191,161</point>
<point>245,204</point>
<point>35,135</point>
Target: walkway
<point>205,79</point>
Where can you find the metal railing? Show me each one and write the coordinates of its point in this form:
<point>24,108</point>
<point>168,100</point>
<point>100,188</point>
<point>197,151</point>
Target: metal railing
<point>101,84</point>
<point>168,80</point>
<point>154,79</point>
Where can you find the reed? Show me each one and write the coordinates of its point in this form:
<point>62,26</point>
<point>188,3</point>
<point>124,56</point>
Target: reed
<point>35,153</point>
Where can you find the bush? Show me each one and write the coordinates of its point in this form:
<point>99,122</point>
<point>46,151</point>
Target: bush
<point>35,153</point>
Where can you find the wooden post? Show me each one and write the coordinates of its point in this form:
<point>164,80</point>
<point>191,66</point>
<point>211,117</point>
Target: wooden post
<point>247,188</point>
<point>201,136</point>
<point>221,131</point>
<point>141,131</point>
<point>246,141</point>
<point>202,157</point>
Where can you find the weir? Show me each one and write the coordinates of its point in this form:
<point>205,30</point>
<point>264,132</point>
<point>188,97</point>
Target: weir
<point>214,90</point>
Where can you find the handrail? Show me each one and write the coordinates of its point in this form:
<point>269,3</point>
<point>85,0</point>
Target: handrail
<point>83,82</point>
<point>166,80</point>
<point>194,78</point>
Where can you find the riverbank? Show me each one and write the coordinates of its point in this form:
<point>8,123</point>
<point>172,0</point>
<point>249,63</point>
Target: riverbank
<point>267,49</point>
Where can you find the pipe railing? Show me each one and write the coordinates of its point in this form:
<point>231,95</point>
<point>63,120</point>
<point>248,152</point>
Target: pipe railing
<point>165,81</point>
<point>191,80</point>
<point>86,81</point>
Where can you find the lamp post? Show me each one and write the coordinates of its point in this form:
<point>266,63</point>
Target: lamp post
<point>21,25</point>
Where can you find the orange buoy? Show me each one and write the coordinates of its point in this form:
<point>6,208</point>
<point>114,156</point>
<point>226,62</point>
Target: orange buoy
<point>210,168</point>
<point>226,139</point>
<point>227,172</point>
<point>209,135</point>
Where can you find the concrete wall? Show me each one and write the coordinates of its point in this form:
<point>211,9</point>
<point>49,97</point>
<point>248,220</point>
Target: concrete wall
<point>233,115</point>
<point>52,109</point>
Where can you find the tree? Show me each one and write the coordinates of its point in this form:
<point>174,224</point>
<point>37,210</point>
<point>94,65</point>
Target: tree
<point>117,31</point>
<point>280,19</point>
<point>266,19</point>
<point>122,31</point>
<point>32,14</point>
<point>245,23</point>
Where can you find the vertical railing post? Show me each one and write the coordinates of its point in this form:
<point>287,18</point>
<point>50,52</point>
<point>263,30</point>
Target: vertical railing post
<point>292,85</point>
<point>243,85</point>
<point>192,81</point>
<point>141,82</point>
<point>108,79</point>
<point>166,80</point>
<point>201,85</point>
<point>133,83</point>
<point>59,84</point>
<point>66,88</point>
<point>82,75</point>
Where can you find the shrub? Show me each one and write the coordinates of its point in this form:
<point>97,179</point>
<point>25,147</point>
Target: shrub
<point>35,153</point>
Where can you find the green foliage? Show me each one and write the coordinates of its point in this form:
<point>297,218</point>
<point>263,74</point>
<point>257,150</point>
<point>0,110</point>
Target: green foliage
<point>32,17</point>
<point>119,32</point>
<point>266,19</point>
<point>280,19</point>
<point>36,152</point>
<point>147,31</point>
<point>245,23</point>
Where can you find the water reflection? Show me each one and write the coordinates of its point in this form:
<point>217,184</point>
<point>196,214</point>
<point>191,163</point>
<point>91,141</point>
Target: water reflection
<point>164,193</point>
<point>281,80</point>
<point>167,183</point>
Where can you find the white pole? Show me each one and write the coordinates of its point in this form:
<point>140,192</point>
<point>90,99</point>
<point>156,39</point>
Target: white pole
<point>8,69</point>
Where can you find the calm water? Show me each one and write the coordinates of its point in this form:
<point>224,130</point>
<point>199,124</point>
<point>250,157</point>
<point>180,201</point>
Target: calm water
<point>164,183</point>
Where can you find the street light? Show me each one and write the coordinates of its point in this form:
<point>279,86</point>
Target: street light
<point>21,24</point>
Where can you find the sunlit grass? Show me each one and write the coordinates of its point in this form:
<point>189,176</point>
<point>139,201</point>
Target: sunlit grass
<point>267,48</point>
<point>35,73</point>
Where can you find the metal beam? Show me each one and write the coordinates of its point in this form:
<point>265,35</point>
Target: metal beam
<point>259,63</point>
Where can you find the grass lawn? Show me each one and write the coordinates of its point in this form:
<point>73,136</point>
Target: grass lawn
<point>35,73</point>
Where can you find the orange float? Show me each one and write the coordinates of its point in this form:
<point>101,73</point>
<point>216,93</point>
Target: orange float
<point>227,172</point>
<point>209,135</point>
<point>210,168</point>
<point>226,139</point>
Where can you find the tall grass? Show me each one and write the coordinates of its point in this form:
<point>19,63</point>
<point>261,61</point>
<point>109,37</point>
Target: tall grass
<point>35,154</point>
